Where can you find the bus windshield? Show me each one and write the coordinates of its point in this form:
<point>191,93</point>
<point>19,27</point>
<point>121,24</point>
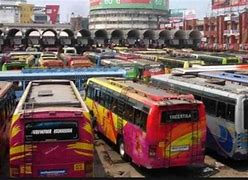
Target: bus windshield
<point>51,131</point>
<point>179,116</point>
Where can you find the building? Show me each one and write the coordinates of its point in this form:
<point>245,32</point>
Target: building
<point>40,16</point>
<point>12,2</point>
<point>26,13</point>
<point>127,14</point>
<point>228,29</point>
<point>9,14</point>
<point>79,23</point>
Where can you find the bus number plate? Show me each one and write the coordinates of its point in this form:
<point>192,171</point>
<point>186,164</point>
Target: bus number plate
<point>179,148</point>
<point>79,167</point>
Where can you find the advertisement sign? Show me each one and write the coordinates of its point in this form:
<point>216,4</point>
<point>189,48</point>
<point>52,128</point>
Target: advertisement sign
<point>52,11</point>
<point>129,4</point>
<point>218,4</point>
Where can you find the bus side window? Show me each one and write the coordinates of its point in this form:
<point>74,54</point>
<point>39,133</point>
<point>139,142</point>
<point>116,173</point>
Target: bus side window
<point>137,117</point>
<point>107,102</point>
<point>89,91</point>
<point>230,112</point>
<point>129,113</point>
<point>114,105</point>
<point>97,95</point>
<point>210,105</point>
<point>143,120</point>
<point>102,98</point>
<point>221,110</point>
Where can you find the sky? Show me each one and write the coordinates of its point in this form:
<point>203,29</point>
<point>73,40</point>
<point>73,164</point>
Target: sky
<point>81,7</point>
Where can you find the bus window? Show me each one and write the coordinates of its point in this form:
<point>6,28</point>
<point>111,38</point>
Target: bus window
<point>129,113</point>
<point>107,100</point>
<point>114,105</point>
<point>89,92</point>
<point>140,119</point>
<point>210,105</point>
<point>221,110</point>
<point>50,131</point>
<point>230,112</point>
<point>245,114</point>
<point>97,95</point>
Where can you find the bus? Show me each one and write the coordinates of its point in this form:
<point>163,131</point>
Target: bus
<point>226,107</point>
<point>136,68</point>
<point>179,62</point>
<point>218,59</point>
<point>14,65</point>
<point>196,70</point>
<point>7,106</point>
<point>153,127</point>
<point>51,134</point>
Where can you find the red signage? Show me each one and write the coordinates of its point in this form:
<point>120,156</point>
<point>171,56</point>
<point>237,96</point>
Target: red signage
<point>135,1</point>
<point>218,4</point>
<point>52,11</point>
<point>95,2</point>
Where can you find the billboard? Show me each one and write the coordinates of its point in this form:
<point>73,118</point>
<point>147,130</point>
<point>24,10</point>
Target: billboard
<point>129,4</point>
<point>218,4</point>
<point>53,12</point>
<point>179,15</point>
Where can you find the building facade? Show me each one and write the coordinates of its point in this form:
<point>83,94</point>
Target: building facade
<point>26,13</point>
<point>127,14</point>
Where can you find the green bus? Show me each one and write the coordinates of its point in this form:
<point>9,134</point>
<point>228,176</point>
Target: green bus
<point>218,59</point>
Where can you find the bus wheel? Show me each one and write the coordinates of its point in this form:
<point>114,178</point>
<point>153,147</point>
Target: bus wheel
<point>122,150</point>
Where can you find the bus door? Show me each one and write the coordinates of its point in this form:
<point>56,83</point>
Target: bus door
<point>181,134</point>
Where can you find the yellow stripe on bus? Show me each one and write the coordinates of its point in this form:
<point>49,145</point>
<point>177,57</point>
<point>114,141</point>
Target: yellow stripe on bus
<point>14,131</point>
<point>84,154</point>
<point>81,146</point>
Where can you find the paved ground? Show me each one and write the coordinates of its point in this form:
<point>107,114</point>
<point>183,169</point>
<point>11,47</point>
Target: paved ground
<point>214,167</point>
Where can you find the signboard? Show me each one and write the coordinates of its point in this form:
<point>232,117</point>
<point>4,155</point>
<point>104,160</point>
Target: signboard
<point>175,116</point>
<point>52,11</point>
<point>53,130</point>
<point>218,4</point>
<point>129,4</point>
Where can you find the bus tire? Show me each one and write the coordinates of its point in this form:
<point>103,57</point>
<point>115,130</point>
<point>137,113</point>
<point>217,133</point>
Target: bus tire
<point>121,149</point>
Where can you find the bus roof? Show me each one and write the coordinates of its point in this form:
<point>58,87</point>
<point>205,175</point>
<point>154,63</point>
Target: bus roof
<point>230,90</point>
<point>144,93</point>
<point>179,59</point>
<point>51,93</point>
<point>4,87</point>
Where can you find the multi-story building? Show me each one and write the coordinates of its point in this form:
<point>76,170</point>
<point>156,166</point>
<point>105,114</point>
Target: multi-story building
<point>9,14</point>
<point>226,32</point>
<point>26,13</point>
<point>127,14</point>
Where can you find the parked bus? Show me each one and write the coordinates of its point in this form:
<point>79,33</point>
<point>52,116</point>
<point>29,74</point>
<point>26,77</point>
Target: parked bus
<point>7,106</point>
<point>137,68</point>
<point>226,107</point>
<point>14,65</point>
<point>218,59</point>
<point>154,127</point>
<point>179,62</point>
<point>51,133</point>
<point>196,70</point>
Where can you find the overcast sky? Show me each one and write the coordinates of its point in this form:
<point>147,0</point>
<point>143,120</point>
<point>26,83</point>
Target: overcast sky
<point>81,7</point>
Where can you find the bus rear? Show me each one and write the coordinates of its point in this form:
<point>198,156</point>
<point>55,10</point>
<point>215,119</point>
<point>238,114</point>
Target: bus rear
<point>51,137</point>
<point>176,135</point>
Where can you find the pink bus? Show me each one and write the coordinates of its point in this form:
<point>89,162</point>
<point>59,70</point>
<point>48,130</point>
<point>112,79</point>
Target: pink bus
<point>51,133</point>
